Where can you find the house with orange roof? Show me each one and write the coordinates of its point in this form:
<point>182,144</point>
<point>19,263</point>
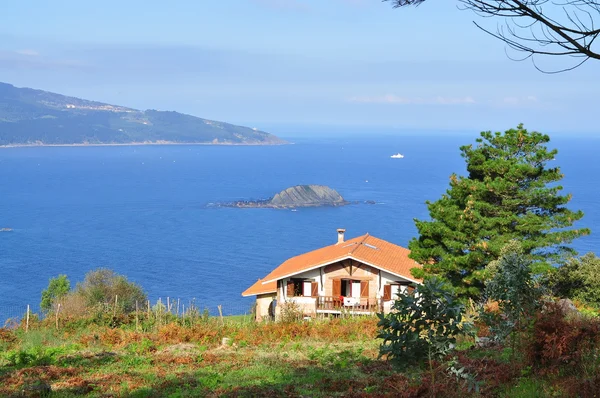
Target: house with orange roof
<point>360,276</point>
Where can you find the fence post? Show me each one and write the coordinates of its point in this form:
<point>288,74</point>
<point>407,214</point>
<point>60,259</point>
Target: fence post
<point>159,306</point>
<point>56,317</point>
<point>27,322</point>
<point>221,314</point>
<point>115,309</point>
<point>136,316</point>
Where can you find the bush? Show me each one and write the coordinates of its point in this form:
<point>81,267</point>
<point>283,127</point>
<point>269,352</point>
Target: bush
<point>517,295</point>
<point>571,344</point>
<point>33,356</point>
<point>57,287</point>
<point>74,305</point>
<point>101,286</point>
<point>423,325</point>
<point>290,312</point>
<point>578,279</point>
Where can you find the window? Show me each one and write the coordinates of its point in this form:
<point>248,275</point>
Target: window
<point>306,288</point>
<point>355,289</point>
<point>350,288</point>
<point>390,292</point>
<point>387,292</point>
<point>346,288</point>
<point>302,288</point>
<point>397,289</point>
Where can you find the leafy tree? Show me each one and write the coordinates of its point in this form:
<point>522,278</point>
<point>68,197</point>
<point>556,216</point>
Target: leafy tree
<point>57,287</point>
<point>578,278</point>
<point>518,295</point>
<point>101,286</point>
<point>508,194</point>
<point>564,28</point>
<point>423,325</point>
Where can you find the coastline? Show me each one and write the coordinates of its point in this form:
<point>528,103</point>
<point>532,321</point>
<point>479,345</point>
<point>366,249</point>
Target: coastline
<point>145,143</point>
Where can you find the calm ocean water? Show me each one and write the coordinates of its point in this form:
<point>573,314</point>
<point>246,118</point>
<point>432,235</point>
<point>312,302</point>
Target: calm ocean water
<point>142,210</point>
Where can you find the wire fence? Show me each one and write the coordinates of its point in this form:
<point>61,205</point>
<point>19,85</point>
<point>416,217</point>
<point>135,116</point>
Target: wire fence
<point>11,315</point>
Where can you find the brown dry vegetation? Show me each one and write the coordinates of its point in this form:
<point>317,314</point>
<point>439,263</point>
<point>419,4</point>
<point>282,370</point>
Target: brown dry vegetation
<point>318,359</point>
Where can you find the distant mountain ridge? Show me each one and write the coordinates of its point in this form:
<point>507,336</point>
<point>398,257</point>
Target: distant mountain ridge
<point>36,117</point>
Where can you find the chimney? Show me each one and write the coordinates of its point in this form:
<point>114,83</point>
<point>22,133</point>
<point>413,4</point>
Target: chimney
<point>340,232</point>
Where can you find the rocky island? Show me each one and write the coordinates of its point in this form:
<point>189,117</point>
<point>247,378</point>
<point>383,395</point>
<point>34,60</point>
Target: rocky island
<point>296,196</point>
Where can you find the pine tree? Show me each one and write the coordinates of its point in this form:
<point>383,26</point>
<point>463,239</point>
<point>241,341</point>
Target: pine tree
<point>509,193</point>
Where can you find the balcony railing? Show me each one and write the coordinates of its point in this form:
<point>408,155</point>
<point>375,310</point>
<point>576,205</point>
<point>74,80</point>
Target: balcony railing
<point>328,303</point>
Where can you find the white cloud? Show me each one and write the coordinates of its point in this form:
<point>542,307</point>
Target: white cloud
<point>29,59</point>
<point>395,99</point>
<point>28,52</point>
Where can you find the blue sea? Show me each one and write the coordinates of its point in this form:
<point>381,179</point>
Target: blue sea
<point>144,211</point>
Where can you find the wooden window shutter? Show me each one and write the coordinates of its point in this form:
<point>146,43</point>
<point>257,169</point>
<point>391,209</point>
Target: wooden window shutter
<point>314,289</point>
<point>290,288</point>
<point>387,292</point>
<point>337,288</point>
<point>410,289</point>
<point>364,289</point>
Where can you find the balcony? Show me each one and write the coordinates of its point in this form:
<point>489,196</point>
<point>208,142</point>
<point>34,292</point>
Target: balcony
<point>337,305</point>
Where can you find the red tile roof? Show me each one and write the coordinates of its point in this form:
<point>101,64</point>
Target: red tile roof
<point>259,288</point>
<point>366,249</point>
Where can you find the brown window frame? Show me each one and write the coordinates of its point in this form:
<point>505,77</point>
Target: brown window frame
<point>336,290</point>
<point>297,286</point>
<point>364,289</point>
<point>387,289</point>
<point>387,292</point>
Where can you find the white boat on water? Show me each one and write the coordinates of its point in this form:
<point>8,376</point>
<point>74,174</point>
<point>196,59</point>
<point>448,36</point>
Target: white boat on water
<point>397,156</point>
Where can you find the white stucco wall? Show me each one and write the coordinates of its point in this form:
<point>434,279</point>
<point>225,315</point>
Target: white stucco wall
<point>315,275</point>
<point>312,275</point>
<point>308,304</point>
<point>386,279</point>
<point>262,306</point>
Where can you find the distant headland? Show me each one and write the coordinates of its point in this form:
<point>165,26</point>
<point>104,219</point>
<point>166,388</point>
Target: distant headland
<point>31,117</point>
<point>294,197</point>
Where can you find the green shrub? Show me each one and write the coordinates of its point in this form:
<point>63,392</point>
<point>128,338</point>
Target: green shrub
<point>34,356</point>
<point>518,295</point>
<point>143,347</point>
<point>579,279</point>
<point>57,287</point>
<point>102,286</point>
<point>423,325</point>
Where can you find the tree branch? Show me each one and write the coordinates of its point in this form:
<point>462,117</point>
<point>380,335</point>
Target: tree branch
<point>539,27</point>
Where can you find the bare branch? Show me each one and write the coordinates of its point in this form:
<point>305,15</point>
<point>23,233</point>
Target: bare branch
<point>539,27</point>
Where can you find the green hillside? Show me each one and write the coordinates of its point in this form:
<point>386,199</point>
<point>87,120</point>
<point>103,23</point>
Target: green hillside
<point>30,116</point>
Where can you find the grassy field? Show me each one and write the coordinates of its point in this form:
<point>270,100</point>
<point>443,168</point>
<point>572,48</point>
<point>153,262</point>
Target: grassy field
<point>303,359</point>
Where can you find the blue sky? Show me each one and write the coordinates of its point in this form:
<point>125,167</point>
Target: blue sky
<point>290,64</point>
